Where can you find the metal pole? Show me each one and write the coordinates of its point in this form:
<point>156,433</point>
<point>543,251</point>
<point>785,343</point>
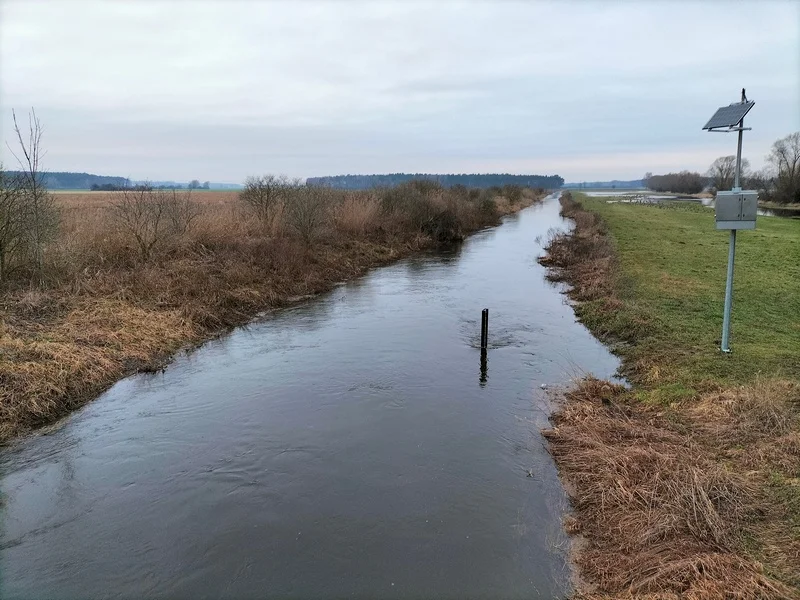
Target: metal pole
<point>736,186</point>
<point>726,319</point>
<point>484,328</point>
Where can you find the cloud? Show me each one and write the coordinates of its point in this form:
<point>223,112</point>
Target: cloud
<point>220,90</point>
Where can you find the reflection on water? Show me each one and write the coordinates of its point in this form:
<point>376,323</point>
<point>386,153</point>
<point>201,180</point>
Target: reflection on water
<point>340,448</point>
<point>484,368</point>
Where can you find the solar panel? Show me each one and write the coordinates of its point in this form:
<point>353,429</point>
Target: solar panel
<point>728,116</point>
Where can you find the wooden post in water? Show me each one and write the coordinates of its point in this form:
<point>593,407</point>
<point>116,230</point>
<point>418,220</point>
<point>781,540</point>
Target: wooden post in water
<point>484,329</point>
<point>484,344</point>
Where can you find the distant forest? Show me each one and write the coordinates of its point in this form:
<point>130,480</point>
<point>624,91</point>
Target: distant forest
<point>363,182</point>
<point>75,181</point>
<point>59,180</point>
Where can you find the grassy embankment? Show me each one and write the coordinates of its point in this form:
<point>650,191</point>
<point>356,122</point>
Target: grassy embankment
<point>687,485</point>
<point>104,310</point>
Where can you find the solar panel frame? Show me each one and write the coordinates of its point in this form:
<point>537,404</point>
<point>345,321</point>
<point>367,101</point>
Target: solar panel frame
<point>728,116</point>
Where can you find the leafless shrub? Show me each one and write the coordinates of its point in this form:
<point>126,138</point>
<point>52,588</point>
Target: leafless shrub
<point>264,195</point>
<point>151,217</point>
<point>181,211</point>
<point>307,209</point>
<point>409,204</point>
<point>11,222</point>
<point>34,211</point>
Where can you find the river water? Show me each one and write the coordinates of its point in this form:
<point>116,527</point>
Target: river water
<point>351,446</point>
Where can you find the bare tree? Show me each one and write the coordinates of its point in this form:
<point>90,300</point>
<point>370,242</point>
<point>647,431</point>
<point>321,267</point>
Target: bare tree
<point>39,214</point>
<point>723,171</point>
<point>762,181</point>
<point>152,217</point>
<point>140,213</point>
<point>12,229</point>
<point>785,159</point>
<point>181,211</point>
<point>264,194</point>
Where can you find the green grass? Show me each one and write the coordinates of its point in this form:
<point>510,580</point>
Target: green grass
<point>673,265</point>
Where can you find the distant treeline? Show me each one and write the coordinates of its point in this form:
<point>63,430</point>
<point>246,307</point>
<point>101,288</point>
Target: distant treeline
<point>778,181</point>
<point>685,182</point>
<point>363,182</point>
<point>57,180</point>
<point>110,187</point>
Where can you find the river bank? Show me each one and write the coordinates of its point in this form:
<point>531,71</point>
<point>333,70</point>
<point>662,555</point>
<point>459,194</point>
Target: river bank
<point>686,484</point>
<point>104,313</point>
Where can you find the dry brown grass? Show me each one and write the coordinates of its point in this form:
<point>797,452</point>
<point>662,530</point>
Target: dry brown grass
<point>105,312</point>
<point>584,257</point>
<point>356,214</point>
<point>666,513</point>
<point>698,499</point>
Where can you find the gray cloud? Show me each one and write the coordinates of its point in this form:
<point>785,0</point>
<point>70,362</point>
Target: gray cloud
<point>220,90</point>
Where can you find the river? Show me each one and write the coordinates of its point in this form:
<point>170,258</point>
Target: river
<point>351,446</point>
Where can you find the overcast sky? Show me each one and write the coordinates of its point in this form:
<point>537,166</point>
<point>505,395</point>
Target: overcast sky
<point>221,90</point>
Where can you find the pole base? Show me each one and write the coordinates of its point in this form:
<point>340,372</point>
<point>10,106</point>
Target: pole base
<point>725,350</point>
